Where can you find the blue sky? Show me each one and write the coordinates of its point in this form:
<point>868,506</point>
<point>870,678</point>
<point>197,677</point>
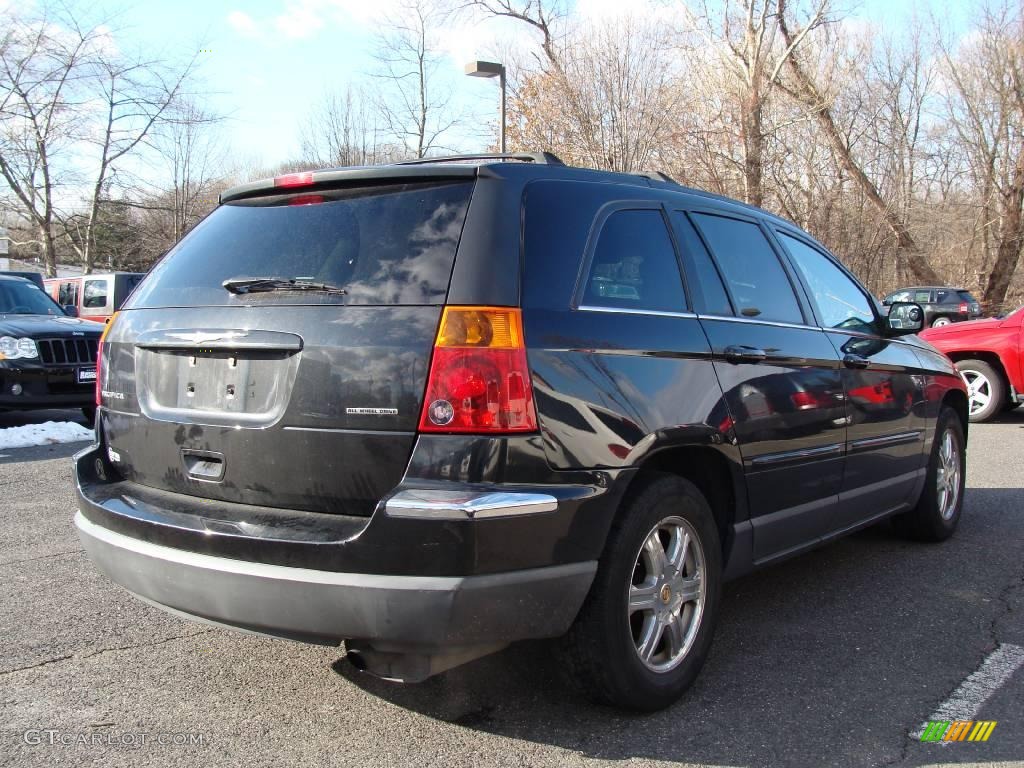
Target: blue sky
<point>267,62</point>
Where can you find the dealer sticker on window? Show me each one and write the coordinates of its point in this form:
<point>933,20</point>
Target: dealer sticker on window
<point>86,374</point>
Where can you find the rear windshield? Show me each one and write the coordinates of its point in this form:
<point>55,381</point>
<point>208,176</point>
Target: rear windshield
<point>390,244</point>
<point>966,296</point>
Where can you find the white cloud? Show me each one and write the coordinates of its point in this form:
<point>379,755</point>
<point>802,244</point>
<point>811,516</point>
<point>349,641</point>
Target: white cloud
<point>301,19</point>
<point>243,24</point>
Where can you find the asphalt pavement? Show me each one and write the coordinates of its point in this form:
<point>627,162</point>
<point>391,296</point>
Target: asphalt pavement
<point>833,658</point>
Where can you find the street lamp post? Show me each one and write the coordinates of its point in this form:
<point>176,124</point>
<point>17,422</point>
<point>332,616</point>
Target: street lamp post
<point>491,69</point>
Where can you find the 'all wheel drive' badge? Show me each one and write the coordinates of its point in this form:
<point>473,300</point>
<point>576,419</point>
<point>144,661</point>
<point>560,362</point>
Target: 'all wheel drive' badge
<point>371,411</point>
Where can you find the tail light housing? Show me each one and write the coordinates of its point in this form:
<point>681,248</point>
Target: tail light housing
<point>479,381</point>
<point>99,359</point>
<point>964,307</point>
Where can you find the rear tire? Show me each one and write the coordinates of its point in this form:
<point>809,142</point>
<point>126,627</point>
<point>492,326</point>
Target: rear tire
<point>986,393</point>
<point>645,629</point>
<point>938,511</point>
<point>938,322</point>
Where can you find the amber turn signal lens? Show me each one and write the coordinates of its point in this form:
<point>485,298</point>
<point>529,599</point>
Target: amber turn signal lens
<point>490,327</point>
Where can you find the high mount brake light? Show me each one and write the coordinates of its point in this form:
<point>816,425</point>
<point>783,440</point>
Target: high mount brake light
<point>303,179</point>
<point>479,380</point>
<point>99,358</point>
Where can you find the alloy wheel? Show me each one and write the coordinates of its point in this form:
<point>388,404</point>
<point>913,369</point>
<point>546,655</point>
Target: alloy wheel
<point>979,390</point>
<point>947,478</point>
<point>667,594</point>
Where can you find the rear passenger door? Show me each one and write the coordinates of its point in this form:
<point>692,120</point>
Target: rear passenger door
<point>884,390</point>
<point>780,376</point>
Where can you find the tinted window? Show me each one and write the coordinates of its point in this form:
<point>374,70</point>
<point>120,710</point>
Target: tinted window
<point>634,265</point>
<point>18,297</point>
<point>966,296</point>
<point>840,303</point>
<point>391,244</point>
<point>756,280</point>
<point>898,296</point>
<point>68,294</point>
<point>94,294</point>
<point>705,283</point>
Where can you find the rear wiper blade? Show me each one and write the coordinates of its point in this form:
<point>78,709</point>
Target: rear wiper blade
<point>241,285</point>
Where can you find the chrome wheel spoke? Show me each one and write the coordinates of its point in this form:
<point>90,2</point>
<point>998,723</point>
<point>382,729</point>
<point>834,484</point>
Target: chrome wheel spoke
<point>643,597</point>
<point>675,635</point>
<point>650,636</point>
<point>677,549</point>
<point>657,559</point>
<point>689,589</point>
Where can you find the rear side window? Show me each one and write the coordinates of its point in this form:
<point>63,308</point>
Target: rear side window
<point>922,297</point>
<point>709,294</point>
<point>758,285</point>
<point>391,244</point>
<point>634,265</point>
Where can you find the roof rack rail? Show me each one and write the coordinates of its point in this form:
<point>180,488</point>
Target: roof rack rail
<point>656,176</point>
<point>541,158</point>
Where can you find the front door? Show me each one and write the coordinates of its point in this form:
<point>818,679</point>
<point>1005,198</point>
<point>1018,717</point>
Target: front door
<point>884,389</point>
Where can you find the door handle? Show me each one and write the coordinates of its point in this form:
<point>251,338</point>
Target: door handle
<point>737,353</point>
<point>855,361</point>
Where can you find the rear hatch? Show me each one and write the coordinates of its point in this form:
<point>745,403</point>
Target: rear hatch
<point>973,305</point>
<point>301,395</point>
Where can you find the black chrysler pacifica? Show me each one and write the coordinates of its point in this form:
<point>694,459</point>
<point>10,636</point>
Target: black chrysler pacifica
<point>430,409</point>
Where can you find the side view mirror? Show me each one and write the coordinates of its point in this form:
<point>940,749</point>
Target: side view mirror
<point>904,318</point>
<point>71,310</point>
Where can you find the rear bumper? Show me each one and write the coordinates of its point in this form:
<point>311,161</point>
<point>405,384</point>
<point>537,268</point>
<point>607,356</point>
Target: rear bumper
<point>395,612</point>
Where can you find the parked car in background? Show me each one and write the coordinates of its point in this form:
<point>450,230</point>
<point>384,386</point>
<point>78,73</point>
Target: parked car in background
<point>47,359</point>
<point>941,305</point>
<point>988,354</point>
<point>35,278</point>
<point>94,297</point>
<point>432,409</point>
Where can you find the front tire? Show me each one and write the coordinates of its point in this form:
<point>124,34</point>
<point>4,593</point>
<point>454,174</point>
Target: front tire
<point>645,629</point>
<point>986,390</point>
<point>938,511</point>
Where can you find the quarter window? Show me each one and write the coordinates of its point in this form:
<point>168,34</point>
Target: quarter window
<point>634,265</point>
<point>840,303</point>
<point>756,279</point>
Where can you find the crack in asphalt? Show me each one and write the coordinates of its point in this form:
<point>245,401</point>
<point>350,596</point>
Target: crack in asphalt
<point>42,557</point>
<point>101,651</point>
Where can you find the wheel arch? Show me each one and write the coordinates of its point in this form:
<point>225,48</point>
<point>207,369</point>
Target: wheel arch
<point>957,400</point>
<point>718,479</point>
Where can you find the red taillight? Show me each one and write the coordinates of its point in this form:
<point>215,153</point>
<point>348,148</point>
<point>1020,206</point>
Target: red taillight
<point>306,200</point>
<point>303,179</point>
<point>479,380</point>
<point>964,308</point>
<point>99,359</point>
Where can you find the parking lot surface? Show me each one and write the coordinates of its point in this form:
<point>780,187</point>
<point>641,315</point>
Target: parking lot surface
<point>833,658</point>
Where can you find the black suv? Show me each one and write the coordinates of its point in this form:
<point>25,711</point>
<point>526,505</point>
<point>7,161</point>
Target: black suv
<point>942,305</point>
<point>430,409</point>
<point>47,359</point>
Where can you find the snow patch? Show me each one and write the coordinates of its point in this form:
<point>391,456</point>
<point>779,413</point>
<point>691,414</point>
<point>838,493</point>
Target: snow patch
<point>44,434</point>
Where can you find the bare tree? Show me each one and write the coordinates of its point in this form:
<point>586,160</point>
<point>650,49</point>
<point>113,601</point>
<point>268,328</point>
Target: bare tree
<point>986,109</point>
<point>806,90</point>
<point>72,108</point>
<point>41,73</point>
<point>342,130</point>
<point>414,104</point>
<point>745,36</point>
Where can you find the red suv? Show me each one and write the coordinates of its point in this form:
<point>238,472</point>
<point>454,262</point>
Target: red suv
<point>988,356</point>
